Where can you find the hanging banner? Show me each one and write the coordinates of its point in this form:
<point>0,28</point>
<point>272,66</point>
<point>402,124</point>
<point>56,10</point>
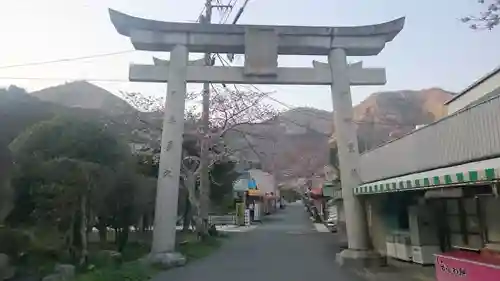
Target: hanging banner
<point>252,184</point>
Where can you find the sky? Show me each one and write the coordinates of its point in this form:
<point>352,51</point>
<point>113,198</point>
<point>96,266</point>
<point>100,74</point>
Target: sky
<point>434,49</point>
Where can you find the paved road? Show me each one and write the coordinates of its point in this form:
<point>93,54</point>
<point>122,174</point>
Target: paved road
<point>286,247</point>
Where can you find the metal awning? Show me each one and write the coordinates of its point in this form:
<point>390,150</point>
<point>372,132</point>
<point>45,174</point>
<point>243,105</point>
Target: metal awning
<point>481,172</point>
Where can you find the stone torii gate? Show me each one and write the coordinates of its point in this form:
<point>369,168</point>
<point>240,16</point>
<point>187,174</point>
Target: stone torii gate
<point>261,46</point>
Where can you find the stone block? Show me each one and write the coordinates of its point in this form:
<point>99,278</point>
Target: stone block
<point>53,277</point>
<point>108,257</point>
<point>167,260</point>
<point>360,259</point>
<point>261,52</point>
<point>66,271</point>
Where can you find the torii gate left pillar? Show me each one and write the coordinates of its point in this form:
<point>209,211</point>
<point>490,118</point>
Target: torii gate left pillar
<point>261,46</point>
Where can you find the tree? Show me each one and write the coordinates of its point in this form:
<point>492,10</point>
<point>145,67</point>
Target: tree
<point>487,19</point>
<point>229,109</point>
<point>222,177</point>
<point>65,171</point>
<point>6,193</point>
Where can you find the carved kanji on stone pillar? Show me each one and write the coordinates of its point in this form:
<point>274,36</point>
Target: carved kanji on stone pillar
<point>170,144</point>
<point>167,172</point>
<point>351,147</point>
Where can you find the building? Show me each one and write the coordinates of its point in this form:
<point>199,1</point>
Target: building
<point>436,188</point>
<point>484,88</point>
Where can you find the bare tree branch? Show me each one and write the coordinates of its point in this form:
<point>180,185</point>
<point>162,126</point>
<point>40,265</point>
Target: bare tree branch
<point>228,110</point>
<point>486,20</point>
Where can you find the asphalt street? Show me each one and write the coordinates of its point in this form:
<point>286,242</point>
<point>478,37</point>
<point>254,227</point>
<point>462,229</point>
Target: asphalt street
<point>285,247</point>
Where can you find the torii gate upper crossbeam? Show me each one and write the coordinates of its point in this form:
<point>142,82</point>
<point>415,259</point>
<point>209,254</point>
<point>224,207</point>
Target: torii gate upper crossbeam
<point>151,35</point>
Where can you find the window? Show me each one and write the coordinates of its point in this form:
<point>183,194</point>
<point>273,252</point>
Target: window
<point>464,223</point>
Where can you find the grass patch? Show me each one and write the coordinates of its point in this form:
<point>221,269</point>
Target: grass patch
<point>192,248</point>
<point>141,271</point>
<point>130,271</point>
<point>131,252</point>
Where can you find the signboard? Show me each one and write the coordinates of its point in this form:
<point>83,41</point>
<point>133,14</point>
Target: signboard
<point>465,267</point>
<point>240,213</point>
<point>255,192</point>
<point>257,211</point>
<point>252,184</point>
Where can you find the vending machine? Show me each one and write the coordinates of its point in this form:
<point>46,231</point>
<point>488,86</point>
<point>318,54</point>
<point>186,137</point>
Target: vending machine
<point>423,234</point>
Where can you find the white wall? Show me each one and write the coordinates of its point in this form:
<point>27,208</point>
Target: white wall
<point>485,87</point>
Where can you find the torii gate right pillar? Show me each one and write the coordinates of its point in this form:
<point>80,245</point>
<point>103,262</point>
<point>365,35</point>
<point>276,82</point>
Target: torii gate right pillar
<point>347,143</point>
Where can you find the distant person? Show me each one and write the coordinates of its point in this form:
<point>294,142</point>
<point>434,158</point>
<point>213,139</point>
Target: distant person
<point>251,207</point>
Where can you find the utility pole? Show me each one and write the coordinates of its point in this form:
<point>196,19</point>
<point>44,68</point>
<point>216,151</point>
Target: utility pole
<point>205,120</point>
<point>205,145</point>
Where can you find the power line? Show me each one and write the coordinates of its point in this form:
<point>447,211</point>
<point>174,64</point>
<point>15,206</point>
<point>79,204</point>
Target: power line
<point>313,114</point>
<point>201,14</point>
<point>225,62</point>
<point>240,11</point>
<point>69,79</point>
<point>228,12</point>
<point>267,95</point>
<point>67,59</point>
<point>77,58</point>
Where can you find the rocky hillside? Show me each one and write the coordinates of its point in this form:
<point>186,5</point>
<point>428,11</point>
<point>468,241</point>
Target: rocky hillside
<point>301,135</point>
<point>388,115</point>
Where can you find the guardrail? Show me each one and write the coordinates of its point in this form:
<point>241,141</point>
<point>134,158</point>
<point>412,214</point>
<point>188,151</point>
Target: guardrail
<point>222,220</point>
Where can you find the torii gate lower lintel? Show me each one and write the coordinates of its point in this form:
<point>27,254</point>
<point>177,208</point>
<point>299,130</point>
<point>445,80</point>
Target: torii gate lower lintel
<point>318,75</point>
<point>261,46</point>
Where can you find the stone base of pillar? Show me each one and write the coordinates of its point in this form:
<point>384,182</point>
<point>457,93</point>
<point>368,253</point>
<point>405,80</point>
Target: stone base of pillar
<point>360,259</point>
<point>342,235</point>
<point>165,260</point>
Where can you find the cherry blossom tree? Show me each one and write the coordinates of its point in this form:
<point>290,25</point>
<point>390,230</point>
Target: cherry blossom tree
<point>230,109</point>
<point>488,19</point>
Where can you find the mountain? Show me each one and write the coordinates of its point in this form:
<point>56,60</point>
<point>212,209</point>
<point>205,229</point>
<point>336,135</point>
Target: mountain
<point>82,94</point>
<point>295,142</point>
<point>19,110</point>
<point>299,120</point>
<point>301,134</point>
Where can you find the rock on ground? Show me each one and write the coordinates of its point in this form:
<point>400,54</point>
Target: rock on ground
<point>6,269</point>
<point>62,272</point>
<point>167,260</point>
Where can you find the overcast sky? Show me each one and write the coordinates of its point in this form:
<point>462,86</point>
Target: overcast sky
<point>434,49</point>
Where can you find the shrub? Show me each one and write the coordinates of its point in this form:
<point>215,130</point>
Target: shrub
<point>17,244</point>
